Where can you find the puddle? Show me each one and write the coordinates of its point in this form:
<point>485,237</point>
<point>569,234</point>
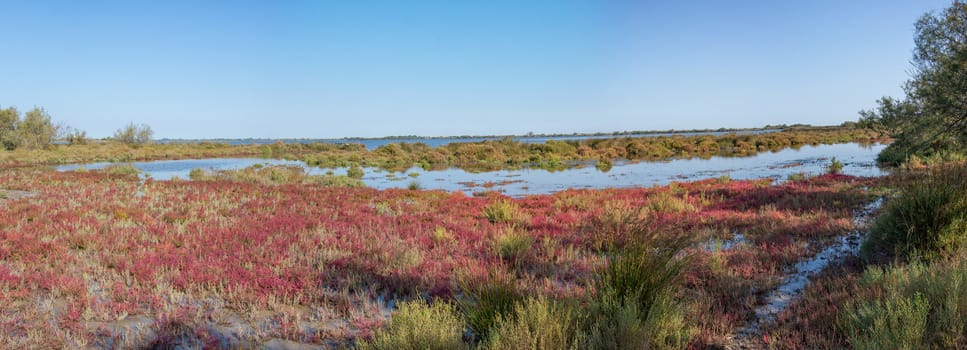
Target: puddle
<point>718,245</point>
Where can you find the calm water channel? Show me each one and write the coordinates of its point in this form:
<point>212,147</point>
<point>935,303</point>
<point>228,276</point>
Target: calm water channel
<point>858,160</point>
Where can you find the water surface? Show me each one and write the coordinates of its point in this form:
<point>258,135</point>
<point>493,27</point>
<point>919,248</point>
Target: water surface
<point>858,159</point>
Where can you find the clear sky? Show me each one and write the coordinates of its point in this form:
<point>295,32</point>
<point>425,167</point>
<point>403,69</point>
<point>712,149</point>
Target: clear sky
<point>204,69</point>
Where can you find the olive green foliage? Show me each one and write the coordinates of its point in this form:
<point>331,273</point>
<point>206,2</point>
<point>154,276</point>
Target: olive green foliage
<point>34,131</point>
<point>666,202</point>
<point>9,118</point>
<point>355,172</point>
<point>835,166</point>
<point>512,243</point>
<point>414,186</point>
<point>896,323</point>
<point>122,169</point>
<point>417,325</point>
<point>503,211</point>
<point>487,301</point>
<point>928,218</point>
<point>922,305</point>
<point>274,175</point>
<point>133,134</point>
<point>634,306</point>
<point>75,137</point>
<point>932,118</point>
<point>536,324</point>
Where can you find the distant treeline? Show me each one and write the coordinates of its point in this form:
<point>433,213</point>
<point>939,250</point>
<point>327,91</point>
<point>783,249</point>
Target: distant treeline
<point>484,155</point>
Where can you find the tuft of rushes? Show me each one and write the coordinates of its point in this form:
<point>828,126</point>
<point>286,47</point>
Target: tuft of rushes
<point>536,324</point>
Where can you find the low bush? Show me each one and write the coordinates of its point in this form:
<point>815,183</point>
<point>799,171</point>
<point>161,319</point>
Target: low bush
<point>896,323</point>
<point>488,300</point>
<point>835,166</point>
<point>504,211</point>
<point>355,172</point>
<point>536,324</point>
<point>634,303</point>
<point>922,305</point>
<point>665,202</point>
<point>928,218</point>
<point>512,244</point>
<point>122,169</point>
<point>420,326</point>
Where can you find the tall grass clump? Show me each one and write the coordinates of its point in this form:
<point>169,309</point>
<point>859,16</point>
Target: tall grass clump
<point>513,243</point>
<point>835,166</point>
<point>665,202</point>
<point>536,324</point>
<point>922,305</point>
<point>487,301</point>
<point>928,218</point>
<point>617,224</point>
<point>633,306</point>
<point>504,211</point>
<point>419,326</point>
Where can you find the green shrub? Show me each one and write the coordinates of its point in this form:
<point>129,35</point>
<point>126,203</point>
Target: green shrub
<point>536,324</point>
<point>922,305</point>
<point>274,175</point>
<point>355,172</point>
<point>512,243</point>
<point>928,218</point>
<point>633,305</point>
<point>122,169</point>
<point>889,324</point>
<point>414,186</point>
<point>504,211</point>
<point>665,202</point>
<point>796,177</point>
<point>418,326</point>
<point>197,174</point>
<point>835,166</point>
<point>334,181</point>
<point>442,235</point>
<point>487,300</point>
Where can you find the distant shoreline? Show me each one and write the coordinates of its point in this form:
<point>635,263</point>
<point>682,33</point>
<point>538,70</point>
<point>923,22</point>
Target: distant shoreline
<point>769,128</point>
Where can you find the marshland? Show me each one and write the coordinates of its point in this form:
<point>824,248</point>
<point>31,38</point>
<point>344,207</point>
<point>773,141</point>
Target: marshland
<point>848,233</point>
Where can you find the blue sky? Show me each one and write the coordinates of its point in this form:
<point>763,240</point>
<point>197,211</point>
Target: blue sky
<point>204,69</point>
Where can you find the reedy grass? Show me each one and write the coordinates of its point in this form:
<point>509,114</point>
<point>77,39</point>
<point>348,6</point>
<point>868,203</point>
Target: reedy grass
<point>928,218</point>
<point>537,323</point>
<point>633,305</point>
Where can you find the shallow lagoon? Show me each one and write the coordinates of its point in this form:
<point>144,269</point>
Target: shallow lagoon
<point>858,159</point>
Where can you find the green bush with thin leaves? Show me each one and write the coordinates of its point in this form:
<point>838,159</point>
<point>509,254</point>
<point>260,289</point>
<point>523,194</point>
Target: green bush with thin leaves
<point>536,324</point>
<point>634,306</point>
<point>417,325</point>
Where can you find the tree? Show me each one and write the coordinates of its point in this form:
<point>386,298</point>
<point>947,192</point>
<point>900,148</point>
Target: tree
<point>74,136</point>
<point>134,134</point>
<point>36,129</point>
<point>9,118</point>
<point>932,118</point>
